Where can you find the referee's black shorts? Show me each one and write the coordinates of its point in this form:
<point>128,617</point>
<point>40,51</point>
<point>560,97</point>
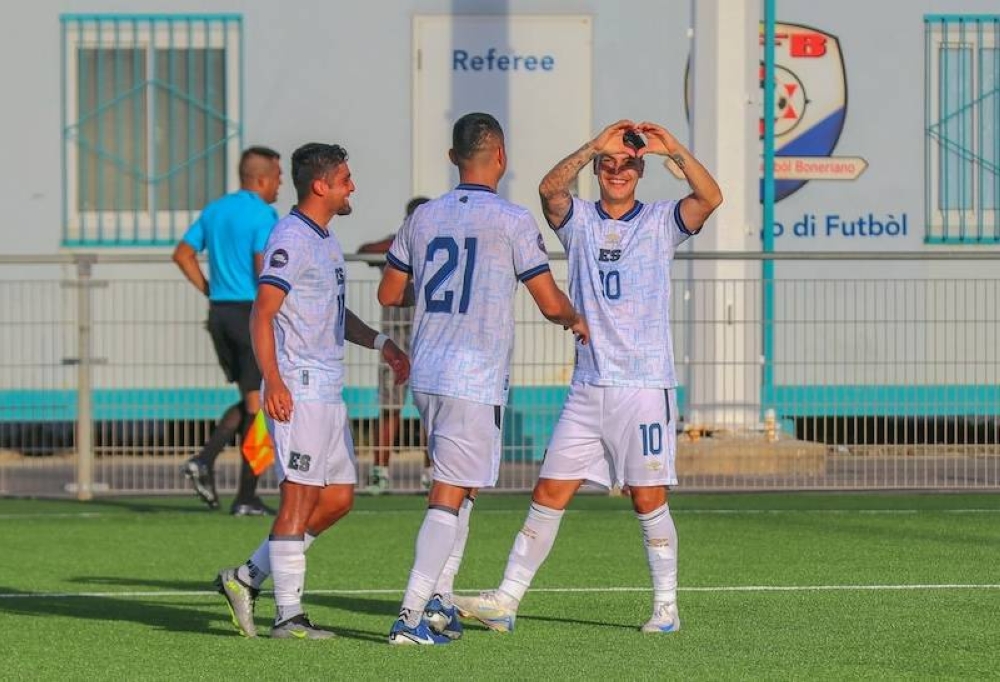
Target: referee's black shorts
<point>229,325</point>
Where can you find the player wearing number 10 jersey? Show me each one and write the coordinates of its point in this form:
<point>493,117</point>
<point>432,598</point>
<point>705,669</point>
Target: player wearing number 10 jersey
<point>466,252</point>
<point>618,423</point>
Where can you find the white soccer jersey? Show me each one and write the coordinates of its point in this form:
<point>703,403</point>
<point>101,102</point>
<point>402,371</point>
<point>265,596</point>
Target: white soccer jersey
<point>306,262</point>
<point>466,250</point>
<point>619,274</point>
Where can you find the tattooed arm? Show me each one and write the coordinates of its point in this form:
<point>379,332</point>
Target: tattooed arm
<point>705,194</point>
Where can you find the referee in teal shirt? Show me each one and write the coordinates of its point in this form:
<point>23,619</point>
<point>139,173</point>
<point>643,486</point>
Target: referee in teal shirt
<point>234,231</point>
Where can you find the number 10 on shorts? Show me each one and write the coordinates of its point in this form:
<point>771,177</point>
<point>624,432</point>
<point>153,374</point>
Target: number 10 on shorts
<point>652,439</point>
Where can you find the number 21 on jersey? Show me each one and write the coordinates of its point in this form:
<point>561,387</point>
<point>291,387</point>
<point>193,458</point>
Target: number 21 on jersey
<point>438,296</point>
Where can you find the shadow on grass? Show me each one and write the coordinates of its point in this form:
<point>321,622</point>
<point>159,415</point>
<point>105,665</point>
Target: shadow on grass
<point>142,610</point>
<point>174,505</point>
<point>579,621</point>
<point>193,586</point>
<point>351,603</point>
<point>387,608</point>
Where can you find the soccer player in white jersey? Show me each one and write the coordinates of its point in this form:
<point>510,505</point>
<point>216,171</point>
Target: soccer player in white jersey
<point>618,425</point>
<point>466,252</point>
<point>299,325</point>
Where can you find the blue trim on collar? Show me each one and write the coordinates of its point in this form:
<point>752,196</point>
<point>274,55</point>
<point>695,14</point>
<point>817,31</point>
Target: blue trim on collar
<point>631,213</point>
<point>322,232</point>
<point>475,187</point>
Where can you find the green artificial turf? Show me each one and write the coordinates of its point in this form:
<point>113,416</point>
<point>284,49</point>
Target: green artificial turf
<point>873,586</point>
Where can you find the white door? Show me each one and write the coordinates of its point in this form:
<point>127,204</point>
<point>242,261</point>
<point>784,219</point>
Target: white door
<point>533,73</point>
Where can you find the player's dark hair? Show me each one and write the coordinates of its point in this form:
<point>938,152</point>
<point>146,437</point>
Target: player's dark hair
<point>473,133</point>
<point>248,169</point>
<point>312,161</point>
<point>412,204</point>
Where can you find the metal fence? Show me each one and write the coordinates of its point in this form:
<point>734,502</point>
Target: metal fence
<point>883,374</point>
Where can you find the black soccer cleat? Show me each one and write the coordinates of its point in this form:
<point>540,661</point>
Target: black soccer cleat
<point>202,480</point>
<point>255,507</point>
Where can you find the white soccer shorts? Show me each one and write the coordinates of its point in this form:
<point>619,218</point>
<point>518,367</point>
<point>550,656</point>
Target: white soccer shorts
<point>315,447</point>
<point>614,435</point>
<point>464,439</point>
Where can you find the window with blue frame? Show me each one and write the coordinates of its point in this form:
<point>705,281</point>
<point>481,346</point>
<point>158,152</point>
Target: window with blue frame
<point>962,123</point>
<point>151,124</point>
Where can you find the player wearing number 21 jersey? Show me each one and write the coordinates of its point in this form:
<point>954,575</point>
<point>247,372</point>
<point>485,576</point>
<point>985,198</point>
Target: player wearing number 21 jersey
<point>466,251</point>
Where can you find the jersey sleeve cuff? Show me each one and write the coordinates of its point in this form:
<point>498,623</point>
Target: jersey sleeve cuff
<point>398,264</point>
<point>533,272</point>
<point>569,214</point>
<point>680,221</point>
<point>275,282</point>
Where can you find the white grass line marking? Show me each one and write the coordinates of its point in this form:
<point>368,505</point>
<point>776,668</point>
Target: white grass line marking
<point>559,590</point>
<point>57,515</point>
<point>887,512</point>
<point>520,512</point>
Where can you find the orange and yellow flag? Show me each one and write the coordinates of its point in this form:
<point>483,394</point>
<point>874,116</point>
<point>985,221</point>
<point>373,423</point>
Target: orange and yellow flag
<point>258,450</point>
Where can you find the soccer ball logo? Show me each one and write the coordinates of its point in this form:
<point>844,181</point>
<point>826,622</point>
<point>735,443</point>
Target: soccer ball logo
<point>789,101</point>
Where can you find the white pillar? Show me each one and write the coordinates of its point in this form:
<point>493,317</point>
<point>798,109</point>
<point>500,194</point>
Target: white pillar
<point>723,297</point>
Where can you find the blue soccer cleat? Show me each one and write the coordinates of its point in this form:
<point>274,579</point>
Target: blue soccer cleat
<point>420,634</point>
<point>443,619</point>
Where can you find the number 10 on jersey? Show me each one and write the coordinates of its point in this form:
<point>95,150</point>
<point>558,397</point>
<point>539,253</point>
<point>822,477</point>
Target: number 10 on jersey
<point>611,284</point>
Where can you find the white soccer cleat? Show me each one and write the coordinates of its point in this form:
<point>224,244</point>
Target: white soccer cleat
<point>665,619</point>
<point>240,598</point>
<point>494,610</point>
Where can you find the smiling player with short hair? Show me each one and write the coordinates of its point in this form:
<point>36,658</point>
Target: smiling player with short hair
<point>618,425</point>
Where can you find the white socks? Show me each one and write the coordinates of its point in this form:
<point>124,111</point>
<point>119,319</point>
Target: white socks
<point>446,583</point>
<point>660,538</point>
<point>258,568</point>
<point>288,566</point>
<point>435,543</point>
<point>531,547</point>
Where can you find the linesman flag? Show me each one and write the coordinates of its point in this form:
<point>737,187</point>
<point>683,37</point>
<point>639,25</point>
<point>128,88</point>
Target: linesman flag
<point>258,450</point>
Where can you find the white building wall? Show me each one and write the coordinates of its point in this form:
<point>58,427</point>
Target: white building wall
<point>342,72</point>
<point>325,71</point>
